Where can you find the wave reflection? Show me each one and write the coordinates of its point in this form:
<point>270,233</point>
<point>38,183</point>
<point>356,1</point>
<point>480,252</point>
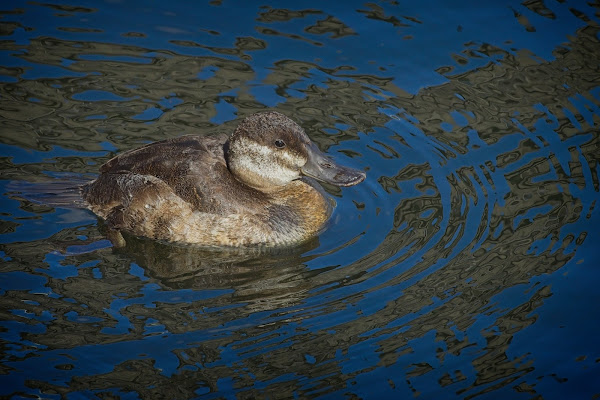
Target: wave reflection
<point>431,276</point>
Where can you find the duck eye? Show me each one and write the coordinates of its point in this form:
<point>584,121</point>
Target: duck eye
<point>279,143</point>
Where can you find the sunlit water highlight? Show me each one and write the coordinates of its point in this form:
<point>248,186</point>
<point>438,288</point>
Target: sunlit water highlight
<point>464,266</point>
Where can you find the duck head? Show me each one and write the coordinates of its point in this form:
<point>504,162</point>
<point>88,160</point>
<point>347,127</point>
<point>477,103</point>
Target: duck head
<point>268,150</point>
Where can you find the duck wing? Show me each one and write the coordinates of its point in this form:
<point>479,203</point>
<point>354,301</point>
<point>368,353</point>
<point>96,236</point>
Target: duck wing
<point>171,161</point>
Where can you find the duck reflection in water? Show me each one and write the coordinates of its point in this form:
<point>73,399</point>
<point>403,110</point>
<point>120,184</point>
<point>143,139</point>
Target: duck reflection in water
<point>251,189</point>
<point>260,278</point>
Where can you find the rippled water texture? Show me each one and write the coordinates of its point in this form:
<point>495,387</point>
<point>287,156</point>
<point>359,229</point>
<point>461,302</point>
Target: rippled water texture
<point>466,265</point>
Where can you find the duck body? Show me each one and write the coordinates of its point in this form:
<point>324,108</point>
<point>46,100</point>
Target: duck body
<point>245,190</point>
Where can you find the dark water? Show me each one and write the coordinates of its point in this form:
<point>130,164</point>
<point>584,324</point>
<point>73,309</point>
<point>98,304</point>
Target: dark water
<point>466,265</point>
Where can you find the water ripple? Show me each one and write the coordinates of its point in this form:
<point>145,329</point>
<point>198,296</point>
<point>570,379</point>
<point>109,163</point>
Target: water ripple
<point>441,275</point>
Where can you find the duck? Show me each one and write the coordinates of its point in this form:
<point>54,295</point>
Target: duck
<point>255,187</point>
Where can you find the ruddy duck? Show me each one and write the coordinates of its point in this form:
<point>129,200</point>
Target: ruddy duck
<point>244,190</point>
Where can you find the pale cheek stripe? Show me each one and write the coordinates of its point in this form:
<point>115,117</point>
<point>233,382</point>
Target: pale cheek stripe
<point>268,170</point>
<point>258,159</point>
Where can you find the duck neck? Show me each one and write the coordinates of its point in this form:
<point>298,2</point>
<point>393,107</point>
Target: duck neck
<point>300,210</point>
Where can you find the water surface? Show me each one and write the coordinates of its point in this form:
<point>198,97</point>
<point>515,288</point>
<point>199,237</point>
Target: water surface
<point>466,265</point>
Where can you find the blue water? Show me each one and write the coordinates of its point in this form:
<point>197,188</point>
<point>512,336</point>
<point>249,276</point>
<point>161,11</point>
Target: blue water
<point>465,266</point>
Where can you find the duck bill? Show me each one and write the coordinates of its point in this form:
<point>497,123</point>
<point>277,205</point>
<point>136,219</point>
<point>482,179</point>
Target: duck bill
<point>324,169</point>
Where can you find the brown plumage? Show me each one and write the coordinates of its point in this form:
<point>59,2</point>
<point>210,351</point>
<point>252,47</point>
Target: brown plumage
<point>215,191</point>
